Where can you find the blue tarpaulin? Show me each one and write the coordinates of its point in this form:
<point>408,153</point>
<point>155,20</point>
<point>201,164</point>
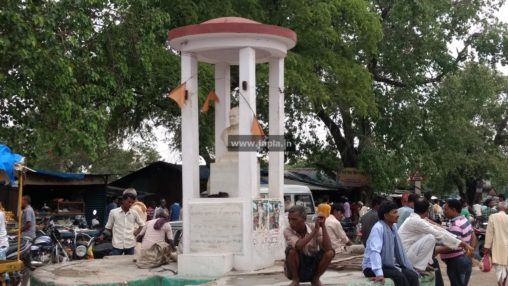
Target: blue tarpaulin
<point>70,176</point>
<point>7,160</point>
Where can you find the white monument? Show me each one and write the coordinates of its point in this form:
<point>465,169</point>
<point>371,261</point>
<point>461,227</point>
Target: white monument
<point>224,171</point>
<point>240,232</point>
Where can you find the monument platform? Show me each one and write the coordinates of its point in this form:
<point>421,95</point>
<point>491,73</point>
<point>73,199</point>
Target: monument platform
<point>121,270</point>
<point>112,270</point>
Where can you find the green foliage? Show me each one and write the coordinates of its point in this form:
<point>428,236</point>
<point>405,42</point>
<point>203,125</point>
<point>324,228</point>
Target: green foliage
<point>469,115</point>
<point>76,77</point>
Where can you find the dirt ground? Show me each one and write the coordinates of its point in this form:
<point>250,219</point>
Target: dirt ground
<point>478,278</point>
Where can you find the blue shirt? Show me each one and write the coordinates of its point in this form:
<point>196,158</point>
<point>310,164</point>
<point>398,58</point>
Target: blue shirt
<point>175,211</point>
<point>372,255</point>
<point>404,213</point>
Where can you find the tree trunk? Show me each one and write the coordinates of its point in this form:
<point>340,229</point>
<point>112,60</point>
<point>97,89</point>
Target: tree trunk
<point>343,142</point>
<point>471,184</point>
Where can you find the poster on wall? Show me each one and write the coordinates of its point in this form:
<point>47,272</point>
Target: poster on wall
<point>260,214</point>
<point>274,215</point>
<point>266,215</point>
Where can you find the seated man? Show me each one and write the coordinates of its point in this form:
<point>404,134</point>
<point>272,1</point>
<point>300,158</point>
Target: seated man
<point>339,239</point>
<point>419,236</point>
<point>384,254</point>
<point>157,242</point>
<point>309,249</point>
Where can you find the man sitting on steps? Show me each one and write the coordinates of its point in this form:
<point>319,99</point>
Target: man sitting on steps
<point>384,255</point>
<point>309,249</point>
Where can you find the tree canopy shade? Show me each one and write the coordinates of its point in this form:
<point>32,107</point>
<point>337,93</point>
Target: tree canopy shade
<point>82,75</point>
<point>75,76</point>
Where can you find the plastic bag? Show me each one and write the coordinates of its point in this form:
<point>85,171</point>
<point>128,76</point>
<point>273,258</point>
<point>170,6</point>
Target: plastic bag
<point>486,263</point>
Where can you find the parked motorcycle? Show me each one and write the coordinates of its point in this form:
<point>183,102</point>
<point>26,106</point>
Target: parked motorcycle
<point>22,276</point>
<point>103,246</point>
<point>480,240</point>
<point>46,248</point>
<point>79,245</point>
<point>350,230</point>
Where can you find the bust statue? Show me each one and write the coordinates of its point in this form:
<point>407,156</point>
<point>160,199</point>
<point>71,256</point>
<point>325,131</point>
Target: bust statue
<point>233,129</point>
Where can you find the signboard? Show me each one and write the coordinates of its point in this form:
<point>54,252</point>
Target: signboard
<point>352,177</point>
<point>216,228</point>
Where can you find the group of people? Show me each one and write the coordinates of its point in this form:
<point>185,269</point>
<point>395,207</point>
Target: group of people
<point>400,243</point>
<point>151,209</point>
<point>131,223</point>
<point>310,249</point>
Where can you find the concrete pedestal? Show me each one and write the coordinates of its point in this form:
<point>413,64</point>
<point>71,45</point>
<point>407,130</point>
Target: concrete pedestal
<point>224,178</point>
<point>205,264</point>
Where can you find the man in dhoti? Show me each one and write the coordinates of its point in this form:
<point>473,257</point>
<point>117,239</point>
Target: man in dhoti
<point>419,237</point>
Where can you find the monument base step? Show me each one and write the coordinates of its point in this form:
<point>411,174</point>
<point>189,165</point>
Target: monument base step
<point>205,264</point>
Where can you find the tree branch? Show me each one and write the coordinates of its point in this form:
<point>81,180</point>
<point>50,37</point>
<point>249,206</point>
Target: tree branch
<point>461,56</point>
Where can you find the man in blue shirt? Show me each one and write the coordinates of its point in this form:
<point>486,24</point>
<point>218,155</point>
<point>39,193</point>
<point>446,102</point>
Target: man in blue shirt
<point>408,205</point>
<point>175,211</point>
<point>384,255</point>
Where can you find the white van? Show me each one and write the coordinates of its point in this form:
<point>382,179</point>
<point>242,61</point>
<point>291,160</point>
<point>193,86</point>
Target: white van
<point>295,195</point>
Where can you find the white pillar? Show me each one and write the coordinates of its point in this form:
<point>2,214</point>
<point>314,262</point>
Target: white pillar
<point>276,125</point>
<point>418,187</point>
<point>247,160</point>
<point>223,91</point>
<point>190,142</point>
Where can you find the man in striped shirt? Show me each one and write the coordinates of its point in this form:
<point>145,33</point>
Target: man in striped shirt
<point>459,265</point>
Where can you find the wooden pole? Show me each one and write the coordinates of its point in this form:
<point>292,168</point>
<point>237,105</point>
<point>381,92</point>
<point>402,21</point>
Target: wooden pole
<point>20,211</point>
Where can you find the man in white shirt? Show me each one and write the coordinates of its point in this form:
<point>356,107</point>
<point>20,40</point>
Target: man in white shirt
<point>419,236</point>
<point>363,209</point>
<point>496,240</point>
<point>124,225</point>
<point>340,241</point>
<point>4,240</point>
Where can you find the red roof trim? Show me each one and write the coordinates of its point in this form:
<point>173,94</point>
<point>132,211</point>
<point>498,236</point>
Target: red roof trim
<point>249,28</point>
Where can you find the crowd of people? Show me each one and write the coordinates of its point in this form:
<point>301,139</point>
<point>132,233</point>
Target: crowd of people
<point>397,242</point>
<point>401,242</point>
<point>132,224</point>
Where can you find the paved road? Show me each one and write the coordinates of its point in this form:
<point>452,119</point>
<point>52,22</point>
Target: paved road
<point>478,278</point>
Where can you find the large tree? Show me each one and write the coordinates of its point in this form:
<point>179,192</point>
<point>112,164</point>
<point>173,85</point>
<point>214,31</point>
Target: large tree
<point>78,76</point>
<point>82,75</point>
<point>467,134</point>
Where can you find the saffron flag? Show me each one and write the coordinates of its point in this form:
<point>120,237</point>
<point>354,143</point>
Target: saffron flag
<point>255,128</point>
<point>178,95</point>
<point>211,96</point>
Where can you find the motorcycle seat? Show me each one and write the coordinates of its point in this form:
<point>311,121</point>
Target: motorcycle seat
<point>13,247</point>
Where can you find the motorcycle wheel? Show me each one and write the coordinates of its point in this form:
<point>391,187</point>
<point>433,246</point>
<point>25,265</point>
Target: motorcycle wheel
<point>20,278</point>
<point>478,252</point>
<point>24,276</point>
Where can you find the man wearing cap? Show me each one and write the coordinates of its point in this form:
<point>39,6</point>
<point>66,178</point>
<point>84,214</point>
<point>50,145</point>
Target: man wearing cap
<point>124,224</point>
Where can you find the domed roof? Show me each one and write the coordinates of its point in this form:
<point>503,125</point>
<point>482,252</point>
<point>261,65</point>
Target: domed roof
<point>232,25</point>
<point>230,20</point>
